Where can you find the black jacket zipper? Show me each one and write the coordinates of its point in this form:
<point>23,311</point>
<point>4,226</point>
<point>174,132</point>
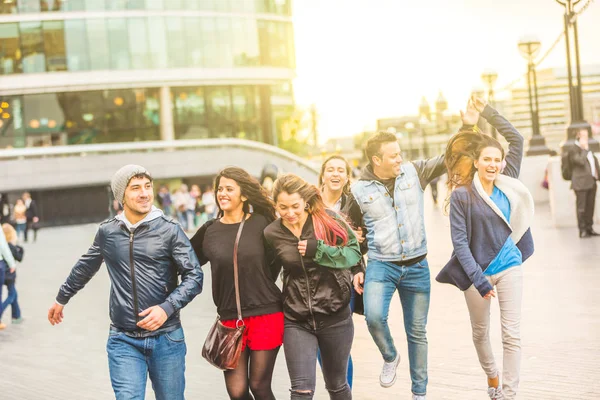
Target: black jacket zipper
<point>310,309</point>
<point>133,283</point>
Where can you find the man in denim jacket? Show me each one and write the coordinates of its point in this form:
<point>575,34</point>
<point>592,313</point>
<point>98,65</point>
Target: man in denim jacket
<point>388,206</point>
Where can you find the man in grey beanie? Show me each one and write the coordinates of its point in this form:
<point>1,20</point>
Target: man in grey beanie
<point>144,252</point>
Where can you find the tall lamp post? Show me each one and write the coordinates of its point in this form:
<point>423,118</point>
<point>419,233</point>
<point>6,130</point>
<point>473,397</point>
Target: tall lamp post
<point>529,49</point>
<point>575,92</point>
<point>489,78</point>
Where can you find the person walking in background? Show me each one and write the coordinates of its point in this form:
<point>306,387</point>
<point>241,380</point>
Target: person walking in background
<point>316,248</point>
<point>145,254</point>
<point>260,298</point>
<point>11,277</point>
<point>209,202</point>
<point>32,216</point>
<point>387,204</point>
<point>182,201</point>
<point>20,217</point>
<point>165,201</point>
<point>585,172</point>
<point>434,189</point>
<point>334,181</point>
<point>7,265</point>
<point>490,215</point>
<point>4,209</point>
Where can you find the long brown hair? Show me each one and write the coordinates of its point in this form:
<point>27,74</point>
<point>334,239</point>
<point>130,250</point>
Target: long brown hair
<point>327,228</point>
<point>346,188</point>
<point>257,196</point>
<point>462,151</point>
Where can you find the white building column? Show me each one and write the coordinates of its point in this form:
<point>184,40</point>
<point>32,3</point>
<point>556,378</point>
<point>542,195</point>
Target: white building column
<point>167,129</point>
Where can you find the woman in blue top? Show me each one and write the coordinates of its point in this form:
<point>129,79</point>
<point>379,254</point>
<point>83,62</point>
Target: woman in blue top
<point>490,215</point>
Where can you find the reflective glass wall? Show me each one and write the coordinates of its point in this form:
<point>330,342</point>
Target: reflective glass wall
<point>144,43</point>
<point>280,7</point>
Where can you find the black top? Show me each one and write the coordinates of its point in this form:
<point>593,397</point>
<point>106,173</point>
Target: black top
<point>257,272</point>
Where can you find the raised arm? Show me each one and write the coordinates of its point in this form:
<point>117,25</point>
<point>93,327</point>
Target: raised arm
<point>429,169</point>
<point>460,241</point>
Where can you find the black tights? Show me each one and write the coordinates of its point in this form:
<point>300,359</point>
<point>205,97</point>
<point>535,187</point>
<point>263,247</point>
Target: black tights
<point>239,382</point>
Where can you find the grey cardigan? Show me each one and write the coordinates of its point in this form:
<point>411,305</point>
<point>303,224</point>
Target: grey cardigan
<point>478,227</point>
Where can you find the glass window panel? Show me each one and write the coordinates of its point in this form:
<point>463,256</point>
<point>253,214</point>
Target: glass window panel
<point>155,4</point>
<point>138,43</point>
<point>176,41</point>
<point>195,42</point>
<point>116,4</point>
<point>189,112</point>
<point>157,36</point>
<point>28,6</point>
<point>118,43</point>
<point>11,123</point>
<point>222,5</point>
<point>84,116</point>
<point>78,57</point>
<point>210,41</point>
<point>97,38</point>
<point>219,111</point>
<point>8,7</point>
<point>54,45</point>
<point>245,42</point>
<point>136,4</point>
<point>282,7</point>
<point>94,5</point>
<point>43,113</point>
<point>174,5</point>
<point>32,47</point>
<point>196,4</point>
<point>55,5</point>
<point>225,35</point>
<point>245,112</point>
<point>10,51</point>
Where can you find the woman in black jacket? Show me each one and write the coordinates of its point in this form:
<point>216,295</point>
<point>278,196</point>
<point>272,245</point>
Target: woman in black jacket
<point>239,196</point>
<point>317,249</point>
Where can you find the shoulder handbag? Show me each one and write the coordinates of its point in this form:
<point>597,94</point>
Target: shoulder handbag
<point>223,345</point>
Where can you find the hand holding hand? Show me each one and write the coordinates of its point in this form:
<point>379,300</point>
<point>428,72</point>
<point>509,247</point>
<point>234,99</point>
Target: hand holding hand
<point>359,280</point>
<point>155,318</point>
<point>360,236</point>
<point>489,295</point>
<point>302,245</point>
<point>55,314</point>
<point>478,103</point>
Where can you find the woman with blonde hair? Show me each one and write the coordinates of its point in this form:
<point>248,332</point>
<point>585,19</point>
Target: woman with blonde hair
<point>490,215</point>
<point>316,248</point>
<point>7,266</point>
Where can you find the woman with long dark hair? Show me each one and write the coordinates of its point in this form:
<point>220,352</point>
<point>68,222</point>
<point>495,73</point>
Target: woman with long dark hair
<point>316,249</point>
<point>239,196</point>
<point>490,215</point>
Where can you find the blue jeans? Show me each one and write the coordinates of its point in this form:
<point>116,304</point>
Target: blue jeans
<point>11,300</point>
<point>414,286</point>
<point>131,360</point>
<point>350,373</point>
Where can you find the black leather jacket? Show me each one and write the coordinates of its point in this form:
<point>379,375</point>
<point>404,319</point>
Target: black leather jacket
<point>143,267</point>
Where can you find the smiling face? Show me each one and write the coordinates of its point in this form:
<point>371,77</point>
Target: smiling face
<point>335,175</point>
<point>387,164</point>
<point>488,164</point>
<point>291,207</point>
<point>139,196</point>
<point>229,195</point>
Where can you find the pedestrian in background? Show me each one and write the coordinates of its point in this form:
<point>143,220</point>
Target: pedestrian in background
<point>260,298</point>
<point>146,255</point>
<point>490,215</point>
<point>11,277</point>
<point>164,200</point>
<point>20,218</point>
<point>33,218</point>
<point>4,209</point>
<point>181,201</point>
<point>585,172</point>
<point>7,265</point>
<point>316,248</point>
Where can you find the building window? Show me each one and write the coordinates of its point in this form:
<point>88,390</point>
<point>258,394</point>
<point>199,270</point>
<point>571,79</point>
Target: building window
<point>158,42</point>
<point>10,51</point>
<point>118,43</point>
<point>176,40</point>
<point>32,47</point>
<point>97,39</point>
<point>28,6</point>
<point>189,113</point>
<point>195,41</point>
<point>138,43</point>
<point>78,58</point>
<point>219,116</point>
<point>54,45</point>
<point>8,7</point>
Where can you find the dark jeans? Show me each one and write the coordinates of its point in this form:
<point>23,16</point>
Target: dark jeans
<point>3,271</point>
<point>585,200</point>
<point>30,225</point>
<point>300,345</point>
<point>11,300</point>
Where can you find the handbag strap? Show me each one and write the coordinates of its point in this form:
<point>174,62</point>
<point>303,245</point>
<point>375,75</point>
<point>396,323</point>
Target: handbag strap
<point>236,273</point>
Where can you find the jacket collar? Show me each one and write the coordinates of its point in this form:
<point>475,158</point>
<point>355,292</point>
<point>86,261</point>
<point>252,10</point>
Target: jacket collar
<point>152,215</point>
<point>368,174</point>
<point>521,203</point>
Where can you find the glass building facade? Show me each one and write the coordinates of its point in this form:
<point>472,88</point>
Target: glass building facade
<point>234,61</point>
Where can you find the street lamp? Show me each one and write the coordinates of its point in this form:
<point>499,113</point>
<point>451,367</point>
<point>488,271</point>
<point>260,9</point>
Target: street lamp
<point>575,92</point>
<point>489,78</point>
<point>529,48</point>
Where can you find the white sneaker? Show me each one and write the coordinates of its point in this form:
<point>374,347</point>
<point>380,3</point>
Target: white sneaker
<point>495,393</point>
<point>388,372</point>
<point>419,397</point>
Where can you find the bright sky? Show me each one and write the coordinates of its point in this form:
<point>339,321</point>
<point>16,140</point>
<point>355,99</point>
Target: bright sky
<point>360,60</point>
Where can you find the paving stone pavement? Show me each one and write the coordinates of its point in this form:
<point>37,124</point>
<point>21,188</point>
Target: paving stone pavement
<point>560,328</point>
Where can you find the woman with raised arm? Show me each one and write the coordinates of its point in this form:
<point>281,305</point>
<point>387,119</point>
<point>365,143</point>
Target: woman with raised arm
<point>316,248</point>
<point>490,215</point>
<point>238,197</point>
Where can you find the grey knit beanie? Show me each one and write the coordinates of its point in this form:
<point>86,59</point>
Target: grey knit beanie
<point>121,179</point>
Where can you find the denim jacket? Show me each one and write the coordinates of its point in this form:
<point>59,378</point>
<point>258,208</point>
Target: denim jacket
<point>394,222</point>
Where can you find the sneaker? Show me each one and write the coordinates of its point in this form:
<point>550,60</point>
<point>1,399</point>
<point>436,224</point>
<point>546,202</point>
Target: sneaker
<point>17,320</point>
<point>419,397</point>
<point>388,372</point>
<point>2,326</point>
<point>495,393</point>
